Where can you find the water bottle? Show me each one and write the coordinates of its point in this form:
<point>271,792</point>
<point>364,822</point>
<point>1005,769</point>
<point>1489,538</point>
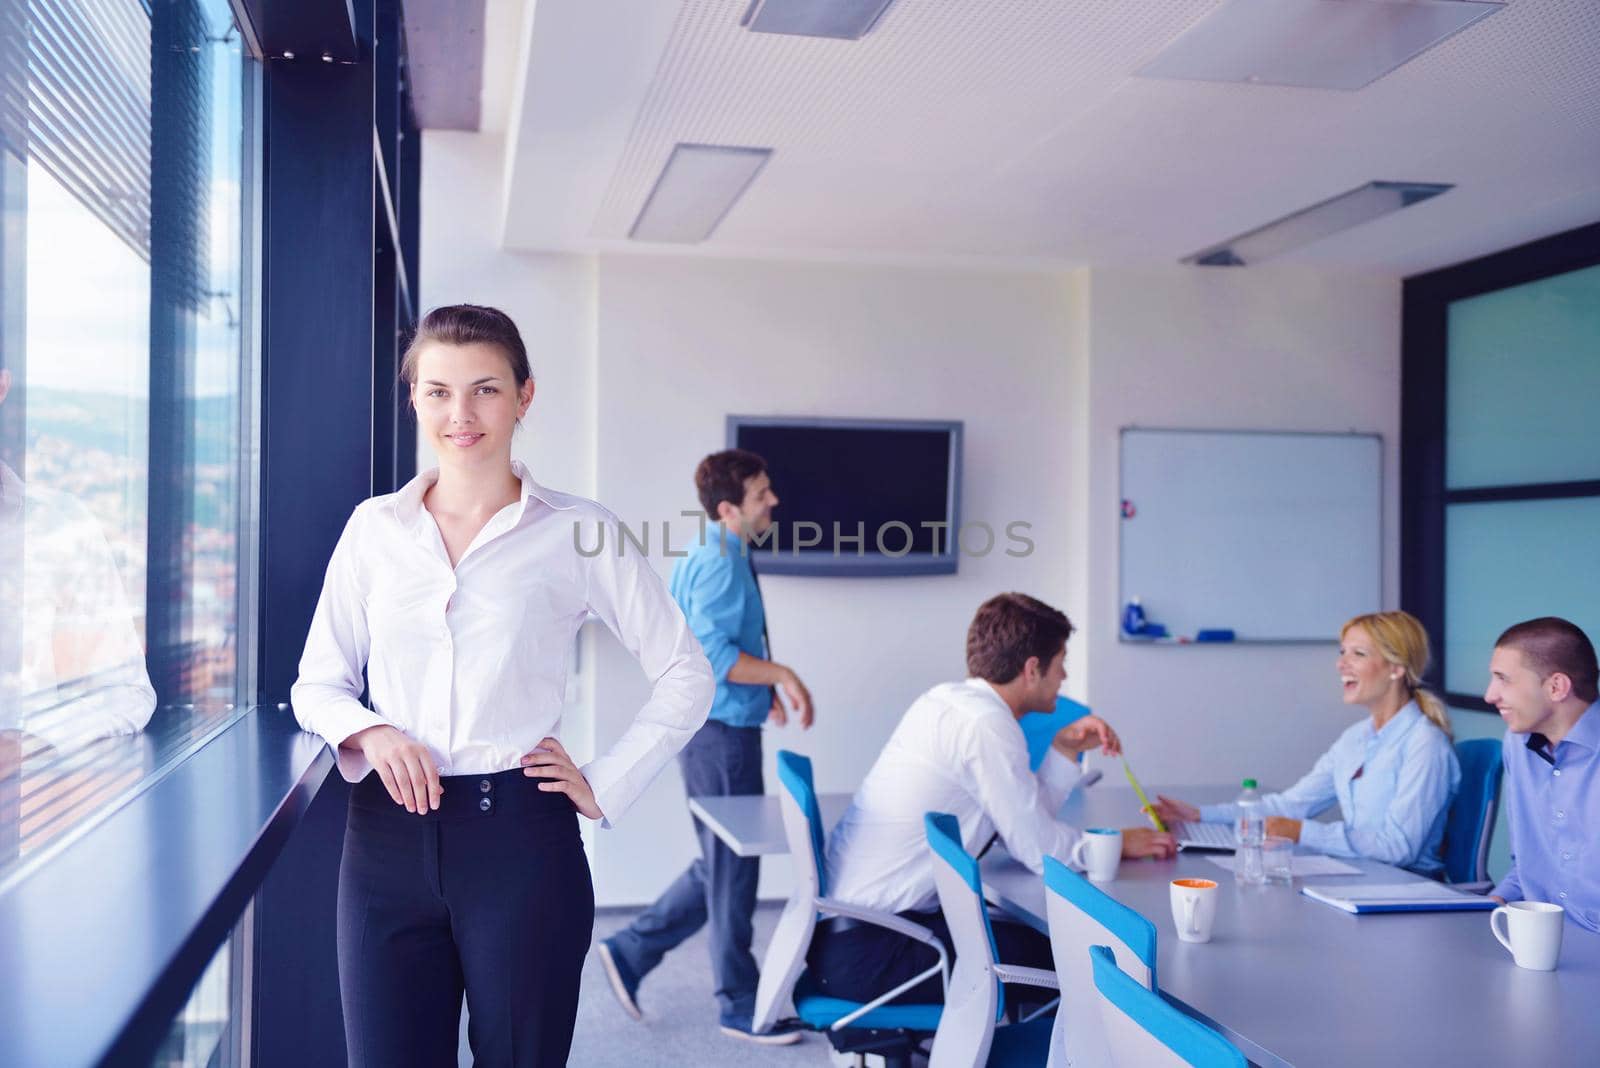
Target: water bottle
<point>1250,830</point>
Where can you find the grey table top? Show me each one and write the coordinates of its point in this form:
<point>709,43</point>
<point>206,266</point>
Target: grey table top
<point>752,825</point>
<point>1294,982</point>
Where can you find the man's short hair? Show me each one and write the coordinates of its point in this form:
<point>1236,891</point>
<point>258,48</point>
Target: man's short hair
<point>1550,644</point>
<point>1008,629</point>
<point>722,475</point>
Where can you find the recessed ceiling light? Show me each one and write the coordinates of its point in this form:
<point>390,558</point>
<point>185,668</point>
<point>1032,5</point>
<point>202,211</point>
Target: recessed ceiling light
<point>843,19</point>
<point>1318,44</point>
<point>696,189</point>
<point>1359,205</point>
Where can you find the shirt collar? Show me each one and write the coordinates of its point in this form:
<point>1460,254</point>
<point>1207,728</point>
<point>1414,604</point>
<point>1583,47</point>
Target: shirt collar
<point>1586,732</point>
<point>1398,727</point>
<point>985,687</point>
<point>732,541</point>
<point>408,501</point>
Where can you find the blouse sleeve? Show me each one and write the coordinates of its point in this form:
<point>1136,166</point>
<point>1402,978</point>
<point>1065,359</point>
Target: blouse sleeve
<point>630,598</point>
<point>327,696</point>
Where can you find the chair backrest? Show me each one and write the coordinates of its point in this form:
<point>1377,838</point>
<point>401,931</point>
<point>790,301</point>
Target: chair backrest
<point>1082,915</point>
<point>1144,1031</point>
<point>973,1000</point>
<point>785,958</point>
<point>802,820</point>
<point>1470,825</point>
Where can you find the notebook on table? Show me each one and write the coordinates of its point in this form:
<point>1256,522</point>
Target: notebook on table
<point>1419,895</point>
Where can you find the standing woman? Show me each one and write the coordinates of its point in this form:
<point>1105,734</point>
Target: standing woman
<point>460,597</point>
<point>1392,774</point>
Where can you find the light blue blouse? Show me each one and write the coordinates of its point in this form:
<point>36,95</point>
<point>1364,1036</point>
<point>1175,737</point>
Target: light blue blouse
<point>1393,787</point>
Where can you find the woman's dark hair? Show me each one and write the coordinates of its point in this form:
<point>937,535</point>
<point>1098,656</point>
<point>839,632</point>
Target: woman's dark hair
<point>1550,644</point>
<point>1008,629</point>
<point>722,475</point>
<point>468,324</point>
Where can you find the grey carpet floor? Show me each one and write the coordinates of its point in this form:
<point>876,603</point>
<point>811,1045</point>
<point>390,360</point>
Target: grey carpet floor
<point>680,1014</point>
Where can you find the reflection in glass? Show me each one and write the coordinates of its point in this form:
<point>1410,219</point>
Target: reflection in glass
<point>207,1032</point>
<point>1513,560</point>
<point>122,393</point>
<point>1522,383</point>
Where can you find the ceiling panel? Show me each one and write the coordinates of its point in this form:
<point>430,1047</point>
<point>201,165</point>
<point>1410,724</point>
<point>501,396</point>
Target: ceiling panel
<point>1018,131</point>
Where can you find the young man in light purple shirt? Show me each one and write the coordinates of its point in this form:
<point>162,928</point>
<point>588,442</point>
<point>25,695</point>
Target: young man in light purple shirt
<point>1543,680</point>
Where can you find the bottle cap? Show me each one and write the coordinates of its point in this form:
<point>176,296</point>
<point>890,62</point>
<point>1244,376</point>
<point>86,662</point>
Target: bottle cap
<point>1249,784</point>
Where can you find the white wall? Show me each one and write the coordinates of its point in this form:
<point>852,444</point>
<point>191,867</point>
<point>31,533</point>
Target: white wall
<point>683,343</point>
<point>640,359</point>
<point>551,298</point>
<point>1258,348</point>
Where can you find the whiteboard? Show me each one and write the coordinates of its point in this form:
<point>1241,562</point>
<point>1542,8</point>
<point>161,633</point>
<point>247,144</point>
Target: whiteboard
<point>1276,536</point>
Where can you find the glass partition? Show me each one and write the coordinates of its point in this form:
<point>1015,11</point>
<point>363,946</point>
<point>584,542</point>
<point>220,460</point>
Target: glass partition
<point>126,462</point>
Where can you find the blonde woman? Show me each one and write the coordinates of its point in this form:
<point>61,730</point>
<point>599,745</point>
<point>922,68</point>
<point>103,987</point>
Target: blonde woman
<point>1392,774</point>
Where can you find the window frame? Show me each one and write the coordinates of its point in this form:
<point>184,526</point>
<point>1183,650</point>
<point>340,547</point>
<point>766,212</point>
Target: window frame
<point>1424,378</point>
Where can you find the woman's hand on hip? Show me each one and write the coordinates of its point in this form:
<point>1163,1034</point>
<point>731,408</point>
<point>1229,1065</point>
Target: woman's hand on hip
<point>549,760</point>
<point>404,764</point>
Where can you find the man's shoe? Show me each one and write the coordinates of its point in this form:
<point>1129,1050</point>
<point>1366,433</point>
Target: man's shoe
<point>782,1033</point>
<point>623,983</point>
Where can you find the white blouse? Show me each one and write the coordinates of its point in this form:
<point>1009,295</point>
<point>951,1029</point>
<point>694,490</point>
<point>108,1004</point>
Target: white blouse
<point>472,661</point>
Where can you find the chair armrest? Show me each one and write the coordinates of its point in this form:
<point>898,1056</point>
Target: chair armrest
<point>1473,888</point>
<point>887,920</point>
<point>1016,973</point>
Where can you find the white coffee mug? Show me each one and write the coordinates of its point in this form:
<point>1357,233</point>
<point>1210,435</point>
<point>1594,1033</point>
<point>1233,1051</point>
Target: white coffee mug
<point>1532,933</point>
<point>1194,907</point>
<point>1098,853</point>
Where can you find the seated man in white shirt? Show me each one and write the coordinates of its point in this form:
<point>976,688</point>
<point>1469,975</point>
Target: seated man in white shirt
<point>958,749</point>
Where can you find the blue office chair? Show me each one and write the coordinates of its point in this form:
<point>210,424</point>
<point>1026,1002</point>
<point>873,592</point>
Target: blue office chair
<point>1144,1031</point>
<point>1469,827</point>
<point>974,1000</point>
<point>873,1026</point>
<point>1083,915</point>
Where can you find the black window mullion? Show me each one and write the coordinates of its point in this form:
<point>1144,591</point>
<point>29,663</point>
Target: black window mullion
<point>1424,378</point>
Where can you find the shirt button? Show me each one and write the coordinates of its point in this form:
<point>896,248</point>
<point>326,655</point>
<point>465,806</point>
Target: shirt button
<point>1566,856</point>
<point>485,785</point>
<point>486,805</point>
<point>1561,815</point>
<point>1557,771</point>
<point>1562,895</point>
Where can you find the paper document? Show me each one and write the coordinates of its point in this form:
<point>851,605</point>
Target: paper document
<point>1309,864</point>
<point>1420,895</point>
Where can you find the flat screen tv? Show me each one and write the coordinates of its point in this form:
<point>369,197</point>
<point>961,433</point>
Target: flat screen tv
<point>857,496</point>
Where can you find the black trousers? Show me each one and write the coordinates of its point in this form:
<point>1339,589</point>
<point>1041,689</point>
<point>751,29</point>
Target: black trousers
<point>863,961</point>
<point>490,895</point>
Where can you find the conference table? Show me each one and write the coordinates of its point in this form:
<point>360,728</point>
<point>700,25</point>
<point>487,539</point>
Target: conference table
<point>1289,980</point>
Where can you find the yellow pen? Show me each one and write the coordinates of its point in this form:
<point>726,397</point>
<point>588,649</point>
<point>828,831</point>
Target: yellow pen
<point>1147,808</point>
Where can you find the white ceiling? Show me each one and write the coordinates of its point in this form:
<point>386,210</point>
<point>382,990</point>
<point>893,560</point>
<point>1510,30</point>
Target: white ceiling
<point>1014,132</point>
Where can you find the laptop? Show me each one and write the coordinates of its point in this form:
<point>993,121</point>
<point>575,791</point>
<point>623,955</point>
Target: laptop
<point>1196,835</point>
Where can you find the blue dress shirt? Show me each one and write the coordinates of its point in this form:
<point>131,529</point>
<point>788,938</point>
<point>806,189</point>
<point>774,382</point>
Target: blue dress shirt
<point>1553,811</point>
<point>717,591</point>
<point>1393,787</point>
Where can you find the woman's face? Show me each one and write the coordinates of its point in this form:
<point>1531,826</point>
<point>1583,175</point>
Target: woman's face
<point>1363,672</point>
<point>468,403</point>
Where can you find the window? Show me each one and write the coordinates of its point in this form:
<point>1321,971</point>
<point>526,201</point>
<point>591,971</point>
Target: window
<point>125,398</point>
<point>1502,450</point>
